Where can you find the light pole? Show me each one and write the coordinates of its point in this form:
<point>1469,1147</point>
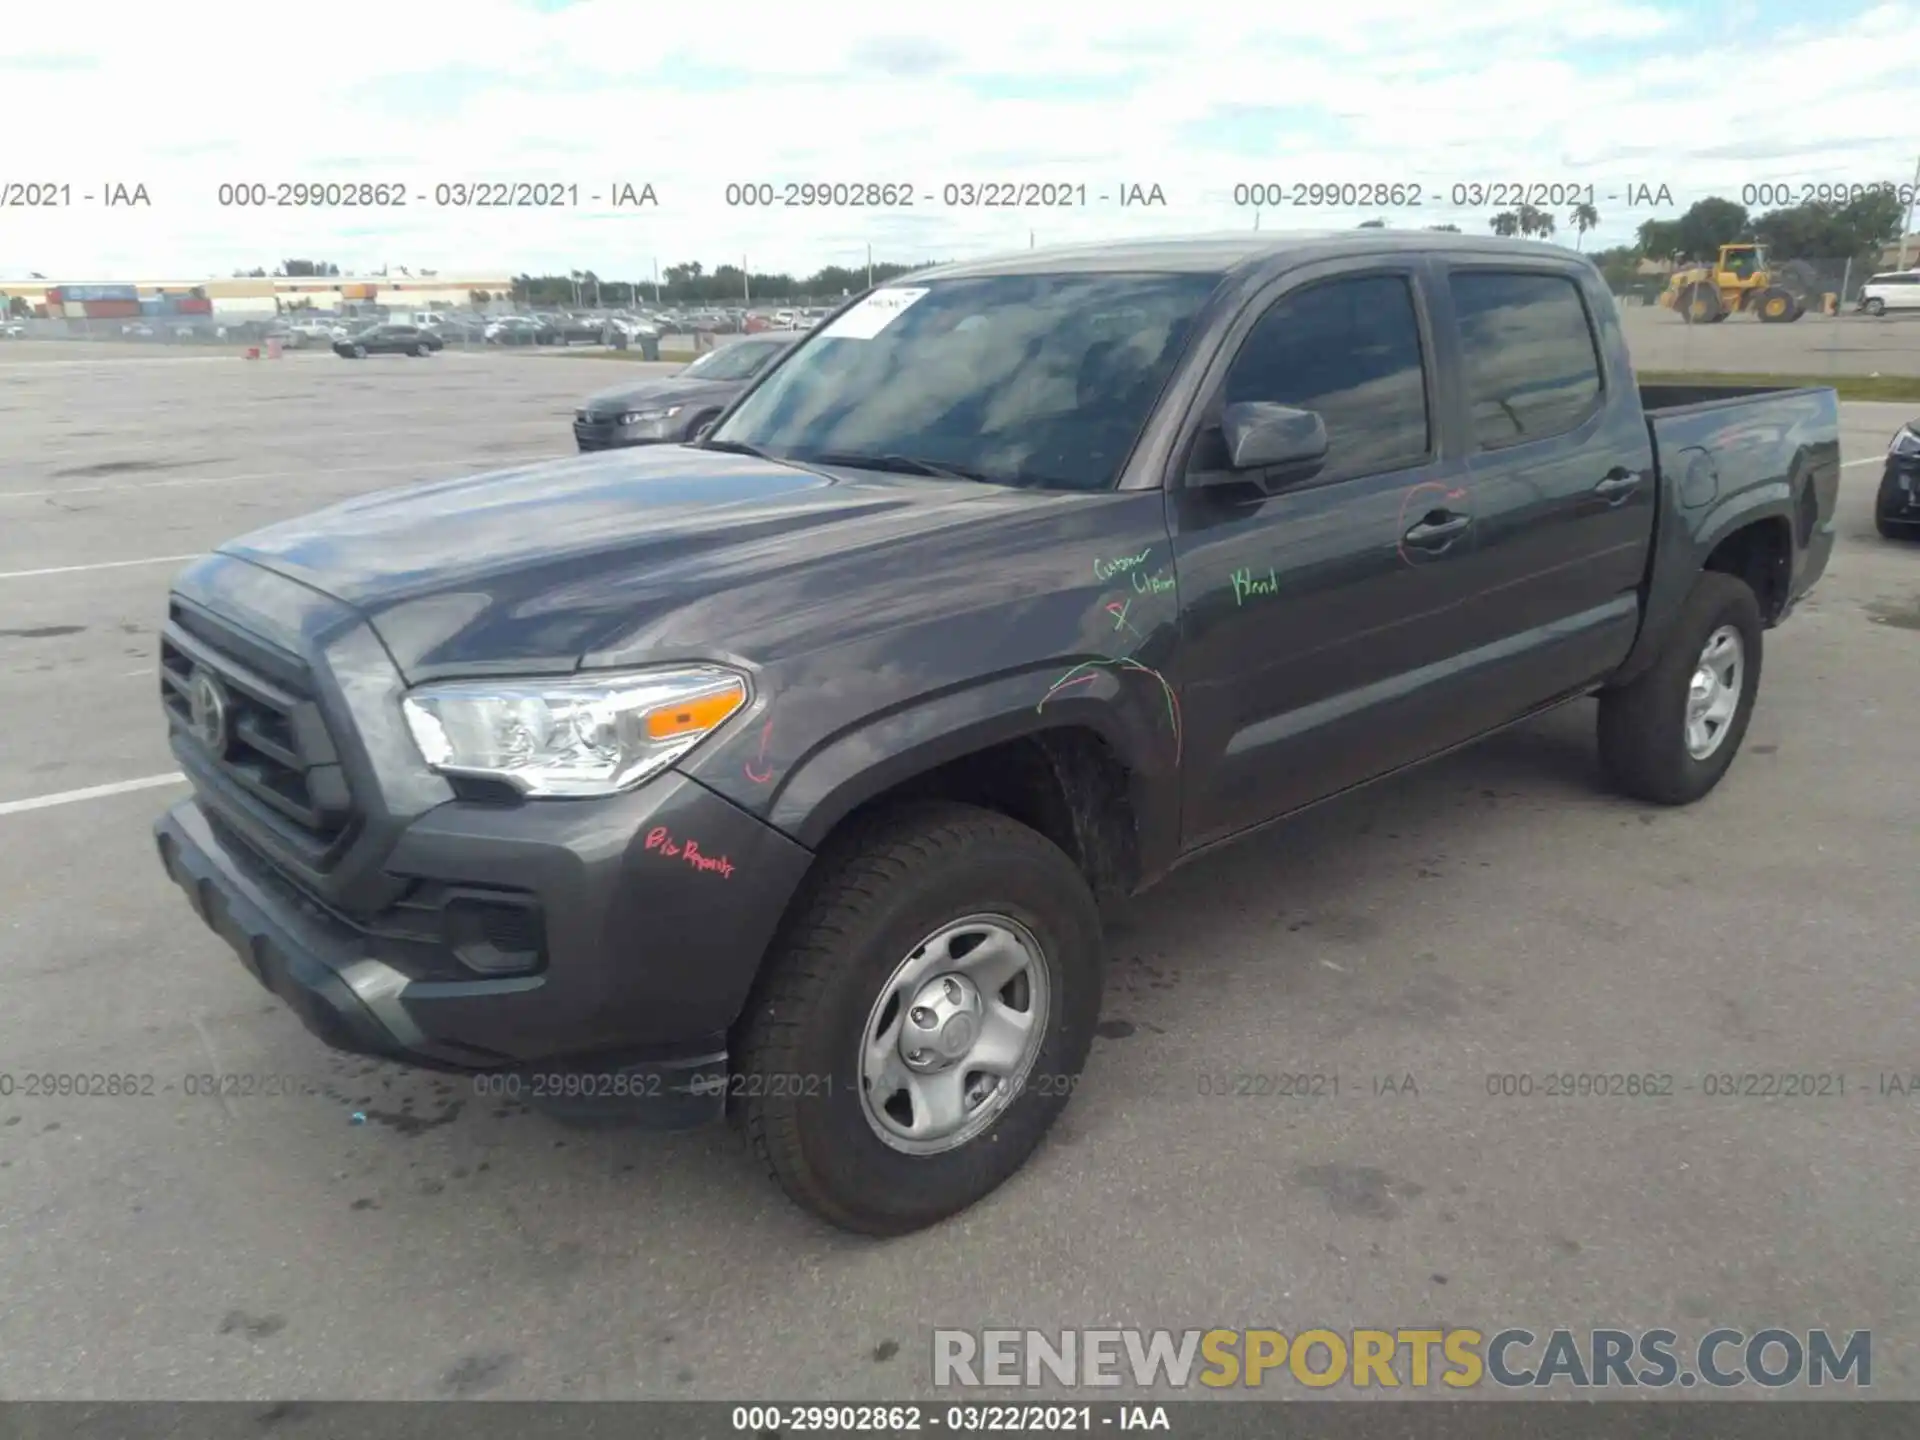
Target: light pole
<point>1907,224</point>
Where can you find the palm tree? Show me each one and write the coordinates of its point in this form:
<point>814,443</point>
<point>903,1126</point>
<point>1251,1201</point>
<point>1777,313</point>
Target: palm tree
<point>1507,222</point>
<point>1583,218</point>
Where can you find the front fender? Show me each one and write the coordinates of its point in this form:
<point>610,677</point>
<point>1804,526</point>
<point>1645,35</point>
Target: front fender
<point>1125,709</point>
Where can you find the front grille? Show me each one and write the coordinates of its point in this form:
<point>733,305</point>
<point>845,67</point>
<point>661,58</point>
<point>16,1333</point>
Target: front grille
<point>271,747</point>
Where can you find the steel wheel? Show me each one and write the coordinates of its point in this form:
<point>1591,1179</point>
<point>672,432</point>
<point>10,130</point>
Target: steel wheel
<point>1714,695</point>
<point>956,1028</point>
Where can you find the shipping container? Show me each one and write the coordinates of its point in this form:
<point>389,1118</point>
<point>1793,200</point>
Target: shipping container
<point>187,305</point>
<point>81,294</point>
<point>111,309</point>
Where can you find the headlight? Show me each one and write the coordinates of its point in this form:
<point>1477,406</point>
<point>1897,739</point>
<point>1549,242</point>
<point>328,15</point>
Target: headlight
<point>585,735</point>
<point>634,417</point>
<point>1905,443</point>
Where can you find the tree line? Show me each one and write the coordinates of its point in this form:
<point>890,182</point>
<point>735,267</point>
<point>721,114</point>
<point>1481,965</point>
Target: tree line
<point>1857,230</point>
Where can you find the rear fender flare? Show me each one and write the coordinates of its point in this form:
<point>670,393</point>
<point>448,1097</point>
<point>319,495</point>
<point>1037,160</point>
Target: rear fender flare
<point>1682,545</point>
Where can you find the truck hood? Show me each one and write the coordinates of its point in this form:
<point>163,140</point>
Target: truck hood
<point>533,568</point>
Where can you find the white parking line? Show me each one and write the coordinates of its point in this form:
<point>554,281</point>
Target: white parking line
<point>1869,460</point>
<point>92,792</point>
<point>102,565</point>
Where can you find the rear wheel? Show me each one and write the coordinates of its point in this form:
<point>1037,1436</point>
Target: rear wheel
<point>923,1021</point>
<point>1670,734</point>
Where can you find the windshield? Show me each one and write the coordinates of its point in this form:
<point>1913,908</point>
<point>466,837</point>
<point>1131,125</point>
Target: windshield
<point>1018,379</point>
<point>733,362</point>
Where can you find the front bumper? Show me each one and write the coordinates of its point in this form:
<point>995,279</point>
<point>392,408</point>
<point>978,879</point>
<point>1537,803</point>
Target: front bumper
<point>643,962</point>
<point>1898,498</point>
<point>604,434</point>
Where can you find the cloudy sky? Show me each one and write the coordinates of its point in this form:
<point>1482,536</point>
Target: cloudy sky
<point>1197,98</point>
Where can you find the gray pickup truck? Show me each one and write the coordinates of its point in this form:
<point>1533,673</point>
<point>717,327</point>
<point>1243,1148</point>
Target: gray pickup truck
<point>783,773</point>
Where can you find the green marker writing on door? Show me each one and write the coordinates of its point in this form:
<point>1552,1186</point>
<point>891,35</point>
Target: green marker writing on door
<point>1246,583</point>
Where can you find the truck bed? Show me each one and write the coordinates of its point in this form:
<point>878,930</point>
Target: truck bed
<point>1728,452</point>
<point>1665,399</point>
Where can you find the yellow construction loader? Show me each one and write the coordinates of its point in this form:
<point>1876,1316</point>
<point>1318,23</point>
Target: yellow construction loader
<point>1740,282</point>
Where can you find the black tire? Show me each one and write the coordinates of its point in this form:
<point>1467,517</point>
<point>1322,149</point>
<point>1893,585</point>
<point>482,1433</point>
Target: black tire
<point>1875,307</point>
<point>880,892</point>
<point>705,417</point>
<point>1643,723</point>
<point>417,351</point>
<point>359,352</point>
<point>1776,307</point>
<point>1700,304</point>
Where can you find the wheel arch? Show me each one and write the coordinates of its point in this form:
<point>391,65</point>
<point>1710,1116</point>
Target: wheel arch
<point>1093,772</point>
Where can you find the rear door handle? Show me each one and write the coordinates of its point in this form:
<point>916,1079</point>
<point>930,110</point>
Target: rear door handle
<point>1438,531</point>
<point>1617,484</point>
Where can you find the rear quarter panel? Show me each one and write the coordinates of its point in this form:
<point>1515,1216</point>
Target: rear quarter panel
<point>1725,463</point>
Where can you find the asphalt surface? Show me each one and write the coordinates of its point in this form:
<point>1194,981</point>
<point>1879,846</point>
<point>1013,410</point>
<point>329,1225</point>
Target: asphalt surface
<point>1495,913</point>
<point>1846,344</point>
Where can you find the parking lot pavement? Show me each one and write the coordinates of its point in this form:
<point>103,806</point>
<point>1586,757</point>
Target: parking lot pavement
<point>1845,344</point>
<point>1493,914</point>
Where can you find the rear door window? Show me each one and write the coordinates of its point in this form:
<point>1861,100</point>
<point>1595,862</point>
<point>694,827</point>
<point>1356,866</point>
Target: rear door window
<point>1533,365</point>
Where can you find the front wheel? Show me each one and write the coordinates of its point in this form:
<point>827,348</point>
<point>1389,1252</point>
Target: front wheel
<point>1777,307</point>
<point>923,1020</point>
<point>1875,307</point>
<point>359,352</point>
<point>1670,734</point>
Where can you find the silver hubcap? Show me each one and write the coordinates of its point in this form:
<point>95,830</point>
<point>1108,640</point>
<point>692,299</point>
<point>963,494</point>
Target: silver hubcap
<point>954,1032</point>
<point>1714,694</point>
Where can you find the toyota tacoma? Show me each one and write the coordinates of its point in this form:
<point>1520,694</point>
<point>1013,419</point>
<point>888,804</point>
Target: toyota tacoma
<point>787,774</point>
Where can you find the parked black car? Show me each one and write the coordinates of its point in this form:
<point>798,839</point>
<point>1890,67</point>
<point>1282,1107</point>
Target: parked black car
<point>787,771</point>
<point>673,407</point>
<point>389,339</point>
<point>1896,508</point>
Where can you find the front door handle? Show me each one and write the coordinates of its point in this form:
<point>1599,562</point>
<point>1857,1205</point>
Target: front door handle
<point>1617,484</point>
<point>1440,529</point>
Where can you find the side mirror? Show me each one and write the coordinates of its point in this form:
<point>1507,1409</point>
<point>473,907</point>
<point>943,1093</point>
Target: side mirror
<point>1263,436</point>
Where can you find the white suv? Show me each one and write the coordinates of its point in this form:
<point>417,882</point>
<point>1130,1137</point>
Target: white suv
<point>1894,290</point>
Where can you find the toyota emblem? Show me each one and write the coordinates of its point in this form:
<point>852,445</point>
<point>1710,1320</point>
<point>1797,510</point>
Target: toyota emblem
<point>207,711</point>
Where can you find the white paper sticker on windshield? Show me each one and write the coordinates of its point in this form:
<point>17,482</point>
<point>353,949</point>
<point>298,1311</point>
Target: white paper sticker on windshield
<point>874,314</point>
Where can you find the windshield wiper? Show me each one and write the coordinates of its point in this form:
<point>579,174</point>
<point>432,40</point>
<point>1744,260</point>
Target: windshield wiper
<point>735,447</point>
<point>899,464</point>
